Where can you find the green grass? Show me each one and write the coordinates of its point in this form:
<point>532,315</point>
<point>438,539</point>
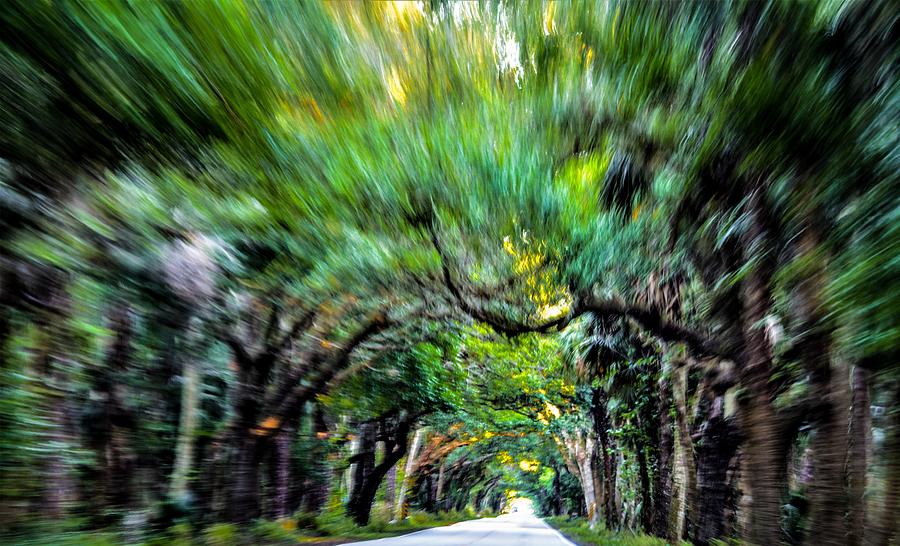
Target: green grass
<point>579,532</point>
<point>330,527</point>
<point>336,526</point>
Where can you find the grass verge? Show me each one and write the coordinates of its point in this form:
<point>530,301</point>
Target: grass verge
<point>327,529</point>
<point>578,531</point>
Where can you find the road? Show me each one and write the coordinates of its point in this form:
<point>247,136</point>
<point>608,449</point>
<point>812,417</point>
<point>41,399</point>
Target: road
<point>520,528</point>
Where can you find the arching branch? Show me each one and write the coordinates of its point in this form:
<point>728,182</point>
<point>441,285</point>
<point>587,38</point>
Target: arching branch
<point>649,319</point>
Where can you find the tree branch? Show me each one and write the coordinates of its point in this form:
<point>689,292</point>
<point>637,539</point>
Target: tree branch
<point>300,325</point>
<point>240,353</point>
<point>293,402</point>
<point>648,319</point>
<point>272,326</point>
<point>655,323</point>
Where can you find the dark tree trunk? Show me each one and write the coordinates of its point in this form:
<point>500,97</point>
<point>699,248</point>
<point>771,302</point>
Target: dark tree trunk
<point>160,463</point>
<point>55,341</point>
<point>244,503</point>
<point>763,445</point>
<point>281,485</point>
<point>319,482</point>
<point>828,501</point>
<point>718,445</point>
<point>317,496</point>
<point>363,464</point>
<point>10,299</point>
<point>249,438</point>
<point>430,492</point>
<point>887,526</point>
<point>390,487</point>
<point>860,425</point>
<point>646,503</point>
<point>366,485</point>
<point>110,439</point>
<point>57,481</point>
<point>607,458</point>
<point>557,492</point>
<point>763,459</point>
<point>663,482</point>
<point>610,471</point>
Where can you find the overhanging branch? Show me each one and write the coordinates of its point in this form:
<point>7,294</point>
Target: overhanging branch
<point>649,319</point>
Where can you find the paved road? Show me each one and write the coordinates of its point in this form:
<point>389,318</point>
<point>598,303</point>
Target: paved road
<point>516,529</point>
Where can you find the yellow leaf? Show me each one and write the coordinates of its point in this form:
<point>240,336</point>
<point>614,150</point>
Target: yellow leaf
<point>267,426</point>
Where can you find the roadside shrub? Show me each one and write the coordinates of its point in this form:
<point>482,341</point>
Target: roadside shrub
<point>222,534</point>
<point>276,532</point>
<point>306,521</point>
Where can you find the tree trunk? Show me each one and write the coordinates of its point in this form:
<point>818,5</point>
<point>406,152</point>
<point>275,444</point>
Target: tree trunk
<point>409,475</point>
<point>687,457</point>
<point>760,419</point>
<point>828,501</point>
<point>57,481</point>
<point>829,443</point>
<point>390,488</point>
<point>55,340</point>
<point>717,447</point>
<point>860,425</point>
<point>887,526</point>
<point>557,492</point>
<point>244,505</point>
<point>646,503</point>
<point>439,491</point>
<point>586,470</point>
<point>762,473</point>
<point>247,435</point>
<point>605,492</point>
<point>363,463</point>
<point>663,482</point>
<point>582,447</point>
<point>579,456</point>
<point>321,484</point>
<point>360,506</point>
<point>184,451</point>
<point>282,472</point>
<point>108,428</point>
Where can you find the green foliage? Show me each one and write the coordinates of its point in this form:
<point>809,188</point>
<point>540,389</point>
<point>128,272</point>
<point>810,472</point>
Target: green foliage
<point>222,534</point>
<point>273,532</point>
<point>72,539</point>
<point>580,532</point>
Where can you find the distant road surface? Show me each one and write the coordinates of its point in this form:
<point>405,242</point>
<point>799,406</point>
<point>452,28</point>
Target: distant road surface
<point>520,528</point>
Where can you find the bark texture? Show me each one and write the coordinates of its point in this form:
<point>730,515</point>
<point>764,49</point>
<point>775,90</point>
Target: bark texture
<point>886,530</point>
<point>718,445</point>
<point>409,475</point>
<point>860,425</point>
<point>605,491</point>
<point>662,487</point>
<point>366,486</point>
<point>184,451</point>
<point>686,459</point>
<point>760,419</point>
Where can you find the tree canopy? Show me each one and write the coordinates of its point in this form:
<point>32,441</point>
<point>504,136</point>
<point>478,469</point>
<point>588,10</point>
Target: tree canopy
<point>320,262</point>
